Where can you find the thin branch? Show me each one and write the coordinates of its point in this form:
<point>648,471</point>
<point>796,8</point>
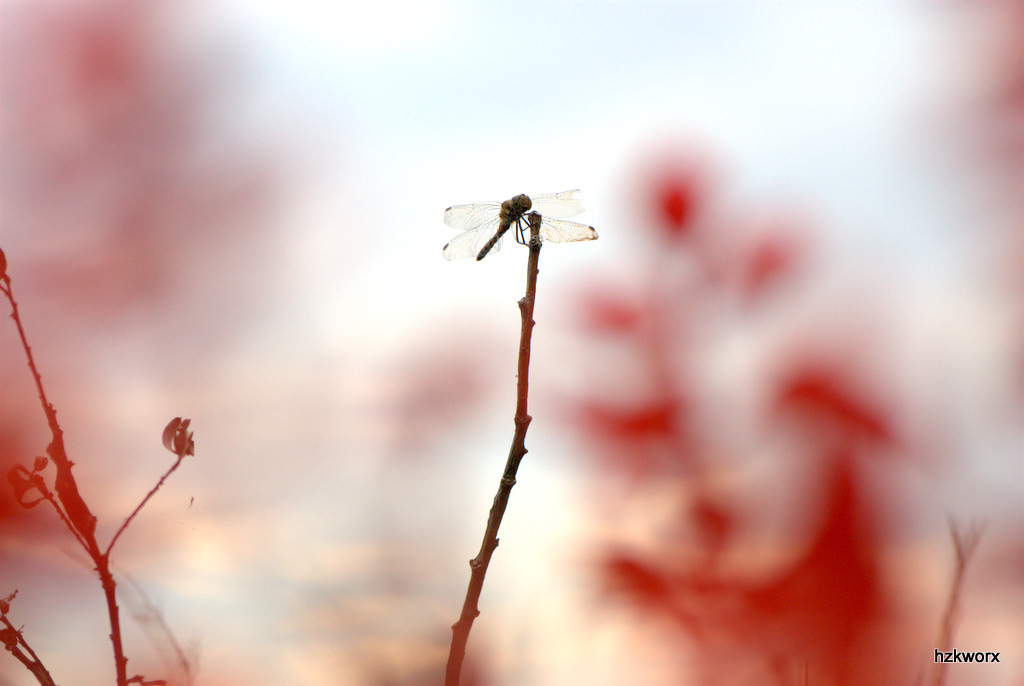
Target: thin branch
<point>963,545</point>
<point>151,619</point>
<point>113,613</point>
<point>51,415</point>
<point>478,565</point>
<point>15,643</point>
<point>138,507</point>
<point>35,480</point>
<point>79,518</point>
<point>73,511</point>
<point>64,518</point>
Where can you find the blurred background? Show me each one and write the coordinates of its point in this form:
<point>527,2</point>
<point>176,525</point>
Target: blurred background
<point>760,400</point>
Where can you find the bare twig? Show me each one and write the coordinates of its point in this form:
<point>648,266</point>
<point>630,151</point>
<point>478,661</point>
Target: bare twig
<point>152,621</point>
<point>478,565</point>
<point>964,545</point>
<point>129,518</point>
<point>73,511</point>
<point>15,643</point>
<point>82,520</point>
<point>79,518</point>
<point>26,481</point>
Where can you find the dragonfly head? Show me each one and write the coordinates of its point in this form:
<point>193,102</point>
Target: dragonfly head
<point>522,203</point>
<point>514,209</point>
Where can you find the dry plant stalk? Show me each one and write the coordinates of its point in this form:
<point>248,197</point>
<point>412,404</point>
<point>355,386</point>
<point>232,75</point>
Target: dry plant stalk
<point>74,513</point>
<point>964,545</point>
<point>478,565</point>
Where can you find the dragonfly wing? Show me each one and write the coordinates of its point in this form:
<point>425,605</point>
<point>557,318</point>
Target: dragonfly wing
<point>466,217</point>
<point>564,204</point>
<point>460,246</point>
<point>558,231</point>
<point>470,243</point>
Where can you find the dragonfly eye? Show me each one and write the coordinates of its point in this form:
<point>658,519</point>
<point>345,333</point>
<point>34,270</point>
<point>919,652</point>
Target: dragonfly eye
<point>522,202</point>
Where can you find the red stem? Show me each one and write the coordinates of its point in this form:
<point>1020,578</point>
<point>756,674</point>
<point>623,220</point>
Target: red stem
<point>478,565</point>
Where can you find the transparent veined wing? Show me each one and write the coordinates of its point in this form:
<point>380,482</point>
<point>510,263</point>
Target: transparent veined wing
<point>466,217</point>
<point>470,243</point>
<point>561,205</point>
<point>559,231</point>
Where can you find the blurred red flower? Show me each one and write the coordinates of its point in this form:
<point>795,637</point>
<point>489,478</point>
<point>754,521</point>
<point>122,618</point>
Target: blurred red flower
<point>674,191</point>
<point>677,200</point>
<point>640,442</point>
<point>828,402</point>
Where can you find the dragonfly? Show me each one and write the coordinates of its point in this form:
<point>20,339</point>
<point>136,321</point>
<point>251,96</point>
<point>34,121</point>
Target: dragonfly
<point>484,224</point>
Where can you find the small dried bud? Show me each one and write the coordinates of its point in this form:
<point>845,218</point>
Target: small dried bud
<point>178,439</point>
<point>9,637</point>
<point>40,463</point>
<point>5,603</point>
<point>22,482</point>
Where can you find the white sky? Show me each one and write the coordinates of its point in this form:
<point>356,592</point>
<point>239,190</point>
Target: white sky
<point>415,107</point>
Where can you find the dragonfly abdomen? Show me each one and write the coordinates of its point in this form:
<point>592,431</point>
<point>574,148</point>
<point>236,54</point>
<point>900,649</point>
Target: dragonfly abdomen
<point>502,228</point>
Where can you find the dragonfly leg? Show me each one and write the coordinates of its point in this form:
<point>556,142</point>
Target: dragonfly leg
<point>521,231</point>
